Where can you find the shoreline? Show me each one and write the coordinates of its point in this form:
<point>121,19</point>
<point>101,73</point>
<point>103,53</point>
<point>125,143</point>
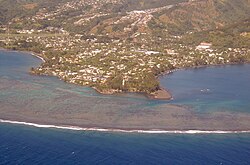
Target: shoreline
<point>150,131</point>
<point>37,55</point>
<point>165,119</point>
<point>161,94</point>
<point>198,67</point>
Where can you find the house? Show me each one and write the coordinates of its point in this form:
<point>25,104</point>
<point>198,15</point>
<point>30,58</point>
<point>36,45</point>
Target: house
<point>204,46</point>
<point>171,51</point>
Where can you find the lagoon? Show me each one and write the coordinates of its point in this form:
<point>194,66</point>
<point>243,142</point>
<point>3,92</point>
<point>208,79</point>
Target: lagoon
<point>29,97</point>
<point>207,99</point>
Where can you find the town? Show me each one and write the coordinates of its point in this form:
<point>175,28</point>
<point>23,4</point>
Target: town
<point>125,53</point>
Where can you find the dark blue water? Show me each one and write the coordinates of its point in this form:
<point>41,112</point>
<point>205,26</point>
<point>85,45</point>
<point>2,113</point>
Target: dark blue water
<point>26,145</point>
<point>208,89</point>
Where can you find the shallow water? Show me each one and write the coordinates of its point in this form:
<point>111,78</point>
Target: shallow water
<point>206,89</point>
<point>228,91</point>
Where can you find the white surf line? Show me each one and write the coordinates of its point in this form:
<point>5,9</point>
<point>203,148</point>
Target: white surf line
<point>33,54</point>
<point>125,131</point>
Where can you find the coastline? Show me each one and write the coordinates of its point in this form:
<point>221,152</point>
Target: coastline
<point>198,67</point>
<point>26,52</point>
<point>161,94</point>
<point>153,131</point>
<point>164,118</point>
<point>37,55</point>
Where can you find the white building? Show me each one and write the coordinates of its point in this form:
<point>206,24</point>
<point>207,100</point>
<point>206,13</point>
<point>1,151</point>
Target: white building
<point>204,46</point>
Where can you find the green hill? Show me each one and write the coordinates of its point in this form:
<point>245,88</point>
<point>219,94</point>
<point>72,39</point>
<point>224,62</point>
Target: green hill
<point>201,15</point>
<point>123,45</point>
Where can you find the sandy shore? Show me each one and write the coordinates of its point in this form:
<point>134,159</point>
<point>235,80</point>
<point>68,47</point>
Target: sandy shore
<point>36,55</point>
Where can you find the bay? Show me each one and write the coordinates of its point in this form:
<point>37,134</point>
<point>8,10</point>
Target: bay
<point>223,88</point>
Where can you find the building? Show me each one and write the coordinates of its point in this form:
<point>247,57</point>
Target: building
<point>204,46</point>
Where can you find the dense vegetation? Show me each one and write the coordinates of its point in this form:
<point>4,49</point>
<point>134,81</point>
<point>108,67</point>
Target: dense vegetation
<point>236,35</point>
<point>123,45</point>
<point>10,9</point>
<point>204,15</point>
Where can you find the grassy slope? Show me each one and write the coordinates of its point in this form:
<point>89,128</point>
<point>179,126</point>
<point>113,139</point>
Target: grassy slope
<point>10,9</point>
<point>236,35</point>
<point>204,14</point>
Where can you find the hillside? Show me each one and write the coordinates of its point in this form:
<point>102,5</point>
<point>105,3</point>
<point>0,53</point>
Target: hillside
<point>17,9</point>
<point>124,45</point>
<point>201,15</point>
<point>177,16</point>
<point>236,35</point>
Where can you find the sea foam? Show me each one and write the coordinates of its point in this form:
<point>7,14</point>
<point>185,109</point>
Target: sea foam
<point>154,131</point>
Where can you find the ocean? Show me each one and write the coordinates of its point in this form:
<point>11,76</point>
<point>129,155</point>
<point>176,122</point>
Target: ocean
<point>28,145</point>
<point>211,89</point>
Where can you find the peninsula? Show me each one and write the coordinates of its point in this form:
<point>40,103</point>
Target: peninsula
<point>123,46</point>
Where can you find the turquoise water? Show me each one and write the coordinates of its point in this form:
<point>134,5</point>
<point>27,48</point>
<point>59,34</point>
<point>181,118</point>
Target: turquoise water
<point>221,88</point>
<point>208,89</point>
